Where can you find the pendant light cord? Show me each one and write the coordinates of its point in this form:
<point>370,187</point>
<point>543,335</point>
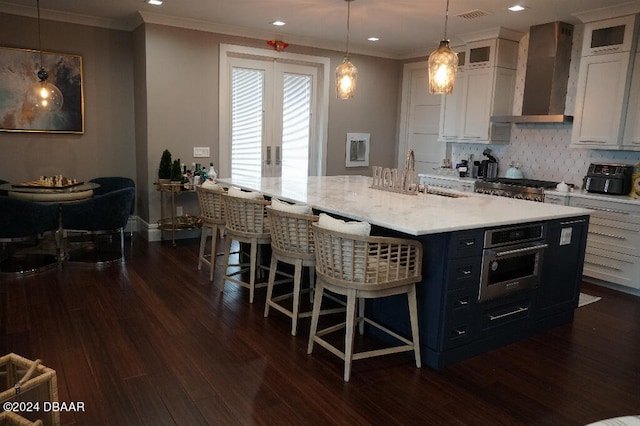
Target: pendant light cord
<point>446,20</point>
<point>348,20</point>
<point>39,36</point>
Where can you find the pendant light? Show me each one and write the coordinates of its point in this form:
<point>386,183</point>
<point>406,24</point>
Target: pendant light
<point>443,65</point>
<point>41,95</point>
<point>346,72</point>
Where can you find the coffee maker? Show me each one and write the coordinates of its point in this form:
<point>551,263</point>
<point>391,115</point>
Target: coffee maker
<point>486,169</point>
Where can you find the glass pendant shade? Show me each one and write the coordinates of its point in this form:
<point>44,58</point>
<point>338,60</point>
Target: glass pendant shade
<point>443,66</point>
<point>346,78</point>
<point>43,96</point>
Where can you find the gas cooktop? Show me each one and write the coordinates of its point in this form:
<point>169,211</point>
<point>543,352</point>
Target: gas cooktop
<point>524,189</point>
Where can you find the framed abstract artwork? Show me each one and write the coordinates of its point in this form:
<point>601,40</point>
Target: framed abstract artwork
<point>18,71</point>
<point>357,150</point>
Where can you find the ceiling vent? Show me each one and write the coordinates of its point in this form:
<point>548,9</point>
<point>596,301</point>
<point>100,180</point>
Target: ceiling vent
<point>473,14</point>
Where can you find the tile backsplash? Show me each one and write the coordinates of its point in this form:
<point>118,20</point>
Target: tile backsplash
<point>544,153</point>
<point>543,149</point>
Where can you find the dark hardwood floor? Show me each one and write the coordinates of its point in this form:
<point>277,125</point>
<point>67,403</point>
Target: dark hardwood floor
<point>151,341</point>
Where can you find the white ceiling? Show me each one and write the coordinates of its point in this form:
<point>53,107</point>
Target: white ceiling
<point>406,28</point>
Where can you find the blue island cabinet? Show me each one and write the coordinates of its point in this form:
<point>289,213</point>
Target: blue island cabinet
<point>455,325</point>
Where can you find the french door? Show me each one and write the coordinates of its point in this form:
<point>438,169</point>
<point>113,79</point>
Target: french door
<point>273,125</point>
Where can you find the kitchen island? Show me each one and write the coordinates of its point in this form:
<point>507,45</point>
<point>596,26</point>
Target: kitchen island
<point>459,317</point>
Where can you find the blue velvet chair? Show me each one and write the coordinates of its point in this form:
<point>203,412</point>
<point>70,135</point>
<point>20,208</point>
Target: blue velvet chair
<point>3,193</point>
<point>101,216</point>
<point>112,183</point>
<point>23,223</point>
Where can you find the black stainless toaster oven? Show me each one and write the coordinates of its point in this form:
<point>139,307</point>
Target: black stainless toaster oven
<point>607,178</point>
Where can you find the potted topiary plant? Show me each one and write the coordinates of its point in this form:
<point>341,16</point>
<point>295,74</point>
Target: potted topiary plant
<point>164,170</point>
<point>176,175</point>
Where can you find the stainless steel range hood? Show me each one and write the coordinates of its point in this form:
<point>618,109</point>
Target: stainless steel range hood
<point>547,76</point>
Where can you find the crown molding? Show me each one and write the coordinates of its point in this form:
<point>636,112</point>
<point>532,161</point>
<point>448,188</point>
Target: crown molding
<point>630,8</point>
<point>71,18</point>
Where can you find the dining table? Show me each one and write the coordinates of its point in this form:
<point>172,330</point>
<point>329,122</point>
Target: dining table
<point>50,194</point>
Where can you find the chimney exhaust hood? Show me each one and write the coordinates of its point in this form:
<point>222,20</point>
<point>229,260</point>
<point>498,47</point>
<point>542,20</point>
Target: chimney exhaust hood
<point>547,76</point>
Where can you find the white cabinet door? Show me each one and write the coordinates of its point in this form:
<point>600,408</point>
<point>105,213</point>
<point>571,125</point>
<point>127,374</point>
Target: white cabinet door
<point>599,101</point>
<point>452,110</point>
<point>476,104</point>
<point>420,118</point>
<point>631,138</point>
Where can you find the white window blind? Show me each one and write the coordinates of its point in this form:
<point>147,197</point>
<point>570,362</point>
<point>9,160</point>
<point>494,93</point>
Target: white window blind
<point>247,97</point>
<point>296,122</point>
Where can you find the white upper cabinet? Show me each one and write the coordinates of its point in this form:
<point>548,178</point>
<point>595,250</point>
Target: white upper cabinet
<point>484,87</point>
<point>631,139</point>
<point>601,89</point>
<point>604,79</point>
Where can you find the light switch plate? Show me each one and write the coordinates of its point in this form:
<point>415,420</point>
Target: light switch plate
<point>201,152</point>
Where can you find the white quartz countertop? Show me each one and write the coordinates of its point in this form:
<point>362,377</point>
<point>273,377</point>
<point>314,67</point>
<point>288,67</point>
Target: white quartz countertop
<point>352,197</point>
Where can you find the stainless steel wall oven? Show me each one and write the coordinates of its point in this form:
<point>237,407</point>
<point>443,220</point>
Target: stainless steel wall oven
<point>511,260</point>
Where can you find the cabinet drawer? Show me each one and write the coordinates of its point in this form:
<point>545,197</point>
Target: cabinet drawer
<point>613,267</point>
<point>464,273</point>
<point>617,239</point>
<point>466,244</point>
<point>458,321</point>
<point>556,199</point>
<point>505,315</point>
<point>613,210</point>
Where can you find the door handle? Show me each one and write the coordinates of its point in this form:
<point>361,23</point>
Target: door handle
<point>278,156</point>
<point>268,161</point>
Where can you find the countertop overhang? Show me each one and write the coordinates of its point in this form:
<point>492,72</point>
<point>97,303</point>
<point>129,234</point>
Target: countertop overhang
<point>422,214</point>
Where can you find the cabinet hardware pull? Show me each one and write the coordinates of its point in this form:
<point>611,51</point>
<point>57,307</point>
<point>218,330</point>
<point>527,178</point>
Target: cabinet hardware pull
<point>613,258</point>
<point>460,331</point>
<point>268,155</point>
<point>470,243</point>
<point>604,234</point>
<point>466,272</point>
<point>507,314</point>
<point>463,302</point>
<point>602,265</point>
<point>572,222</point>
<point>278,156</point>
<point>601,209</point>
<point>521,250</point>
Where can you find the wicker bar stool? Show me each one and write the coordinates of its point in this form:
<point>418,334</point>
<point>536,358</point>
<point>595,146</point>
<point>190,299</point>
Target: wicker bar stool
<point>246,222</point>
<point>212,214</point>
<point>362,267</point>
<point>291,243</point>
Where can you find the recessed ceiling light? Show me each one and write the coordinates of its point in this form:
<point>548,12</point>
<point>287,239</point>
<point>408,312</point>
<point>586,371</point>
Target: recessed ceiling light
<point>155,2</point>
<point>517,8</point>
<point>373,39</point>
<point>278,23</point>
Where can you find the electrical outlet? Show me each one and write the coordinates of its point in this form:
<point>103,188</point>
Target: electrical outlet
<point>201,152</point>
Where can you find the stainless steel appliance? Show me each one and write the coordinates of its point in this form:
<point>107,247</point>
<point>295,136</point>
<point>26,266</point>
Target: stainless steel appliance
<point>511,260</point>
<point>487,168</point>
<point>524,189</point>
<point>606,178</point>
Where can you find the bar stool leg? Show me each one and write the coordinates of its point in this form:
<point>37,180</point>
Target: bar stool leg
<point>227,252</point>
<point>297,278</point>
<point>349,328</point>
<point>315,315</point>
<point>413,317</point>
<point>272,277</point>
<point>252,270</point>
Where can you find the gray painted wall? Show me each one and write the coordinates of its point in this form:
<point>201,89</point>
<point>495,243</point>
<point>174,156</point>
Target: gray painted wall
<point>157,88</point>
